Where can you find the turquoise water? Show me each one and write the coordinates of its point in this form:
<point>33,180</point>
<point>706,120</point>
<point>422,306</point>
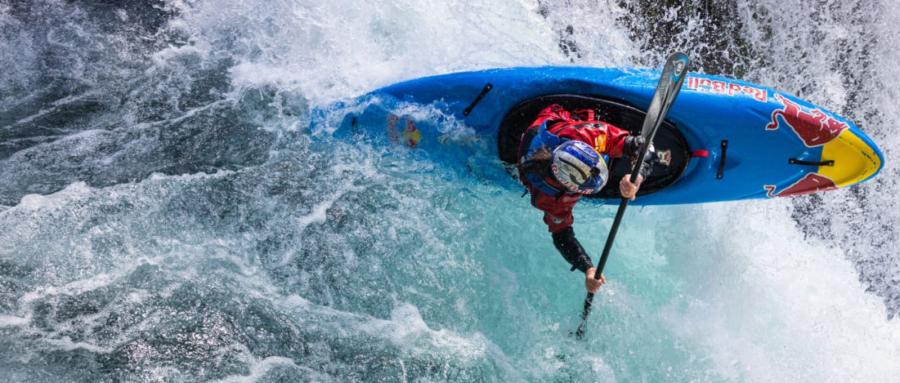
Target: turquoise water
<point>167,215</point>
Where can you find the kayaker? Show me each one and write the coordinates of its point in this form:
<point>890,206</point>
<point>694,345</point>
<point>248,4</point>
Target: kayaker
<point>560,159</point>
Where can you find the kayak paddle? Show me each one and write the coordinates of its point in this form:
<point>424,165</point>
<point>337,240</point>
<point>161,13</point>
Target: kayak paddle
<point>673,75</point>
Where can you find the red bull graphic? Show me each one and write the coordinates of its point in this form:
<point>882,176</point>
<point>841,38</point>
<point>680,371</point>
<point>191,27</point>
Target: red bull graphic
<point>410,135</point>
<point>727,88</point>
<point>809,184</point>
<point>815,128</point>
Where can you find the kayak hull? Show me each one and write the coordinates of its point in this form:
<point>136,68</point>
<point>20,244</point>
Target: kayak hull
<point>740,140</point>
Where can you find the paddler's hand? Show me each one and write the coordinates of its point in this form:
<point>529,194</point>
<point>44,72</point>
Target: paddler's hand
<point>592,284</point>
<point>627,189</point>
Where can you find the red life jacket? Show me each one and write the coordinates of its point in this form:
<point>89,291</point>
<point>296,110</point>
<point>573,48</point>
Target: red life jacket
<point>547,194</point>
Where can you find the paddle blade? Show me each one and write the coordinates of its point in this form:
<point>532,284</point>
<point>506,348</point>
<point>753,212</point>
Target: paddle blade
<point>667,89</point>
<point>670,81</point>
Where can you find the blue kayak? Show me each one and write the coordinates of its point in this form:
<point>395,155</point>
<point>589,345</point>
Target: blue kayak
<point>727,139</point>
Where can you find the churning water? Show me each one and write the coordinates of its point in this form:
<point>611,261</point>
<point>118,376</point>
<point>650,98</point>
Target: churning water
<point>166,214</point>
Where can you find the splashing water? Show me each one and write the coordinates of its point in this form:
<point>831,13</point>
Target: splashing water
<point>166,215</point>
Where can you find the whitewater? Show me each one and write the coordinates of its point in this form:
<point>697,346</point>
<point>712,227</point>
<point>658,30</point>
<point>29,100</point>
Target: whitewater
<point>168,214</point>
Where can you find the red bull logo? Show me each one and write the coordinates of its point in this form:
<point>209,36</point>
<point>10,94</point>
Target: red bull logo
<point>814,128</point>
<point>810,183</point>
<point>409,136</point>
<point>727,88</point>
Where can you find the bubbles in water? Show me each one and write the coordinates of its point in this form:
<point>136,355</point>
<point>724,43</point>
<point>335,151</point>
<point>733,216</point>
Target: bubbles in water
<point>167,215</point>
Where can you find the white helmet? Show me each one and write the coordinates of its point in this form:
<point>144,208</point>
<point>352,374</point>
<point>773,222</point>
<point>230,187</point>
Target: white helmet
<point>578,167</point>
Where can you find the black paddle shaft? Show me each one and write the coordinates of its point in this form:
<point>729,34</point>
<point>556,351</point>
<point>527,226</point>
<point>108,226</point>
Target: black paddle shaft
<point>673,75</point>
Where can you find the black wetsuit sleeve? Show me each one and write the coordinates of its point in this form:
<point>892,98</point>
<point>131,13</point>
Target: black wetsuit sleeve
<point>571,250</point>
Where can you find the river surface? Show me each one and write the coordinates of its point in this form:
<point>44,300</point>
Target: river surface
<point>166,215</point>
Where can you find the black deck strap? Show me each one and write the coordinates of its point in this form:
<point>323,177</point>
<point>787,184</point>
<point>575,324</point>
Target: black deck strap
<point>487,88</point>
<point>721,172</point>
<point>794,161</point>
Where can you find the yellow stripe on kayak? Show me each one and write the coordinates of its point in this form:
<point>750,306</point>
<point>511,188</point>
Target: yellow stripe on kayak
<point>854,160</point>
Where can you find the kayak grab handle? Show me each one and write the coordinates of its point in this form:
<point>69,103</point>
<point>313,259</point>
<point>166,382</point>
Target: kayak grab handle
<point>721,172</point>
<point>487,88</point>
<point>794,161</point>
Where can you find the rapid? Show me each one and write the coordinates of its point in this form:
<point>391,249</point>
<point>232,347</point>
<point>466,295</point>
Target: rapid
<point>167,214</point>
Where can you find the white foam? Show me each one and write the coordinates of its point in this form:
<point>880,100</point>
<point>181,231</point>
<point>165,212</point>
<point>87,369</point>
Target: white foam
<point>318,213</point>
<point>66,343</point>
<point>405,328</point>
<point>55,106</point>
<point>259,369</point>
<point>56,200</point>
<point>318,48</point>
<point>408,330</point>
<point>777,307</point>
<point>72,288</point>
<point>13,321</point>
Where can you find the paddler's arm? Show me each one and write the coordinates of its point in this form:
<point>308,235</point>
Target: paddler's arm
<point>618,142</point>
<point>572,251</point>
